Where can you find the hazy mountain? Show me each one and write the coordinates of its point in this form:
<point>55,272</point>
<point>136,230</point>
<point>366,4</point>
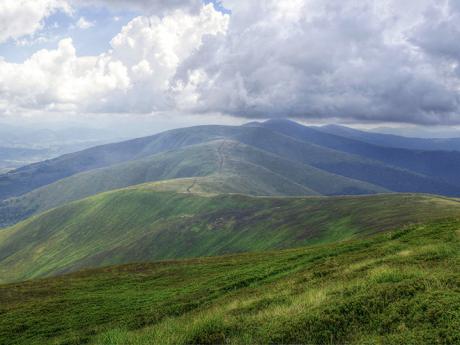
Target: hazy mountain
<point>391,140</point>
<point>428,132</point>
<point>272,158</point>
<point>224,166</point>
<point>441,165</point>
<point>13,157</point>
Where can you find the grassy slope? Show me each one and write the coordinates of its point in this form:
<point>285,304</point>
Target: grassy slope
<point>29,178</point>
<point>237,167</point>
<point>344,164</point>
<point>400,287</point>
<point>141,224</point>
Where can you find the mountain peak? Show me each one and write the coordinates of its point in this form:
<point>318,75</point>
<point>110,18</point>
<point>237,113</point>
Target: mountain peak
<point>283,121</point>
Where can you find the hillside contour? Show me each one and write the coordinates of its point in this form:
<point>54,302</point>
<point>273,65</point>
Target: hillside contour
<point>238,168</point>
<point>396,170</point>
<point>143,223</point>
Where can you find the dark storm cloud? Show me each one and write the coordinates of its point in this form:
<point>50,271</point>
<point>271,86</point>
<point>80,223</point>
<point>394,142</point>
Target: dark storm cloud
<point>327,59</point>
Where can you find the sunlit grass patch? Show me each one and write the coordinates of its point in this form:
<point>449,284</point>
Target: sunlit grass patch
<point>385,274</point>
<point>405,252</point>
<point>436,251</point>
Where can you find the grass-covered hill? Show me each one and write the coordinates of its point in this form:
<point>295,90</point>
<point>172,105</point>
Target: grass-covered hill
<point>147,222</point>
<point>30,177</point>
<point>412,171</point>
<point>398,287</point>
<point>442,165</point>
<point>249,160</point>
<point>229,167</point>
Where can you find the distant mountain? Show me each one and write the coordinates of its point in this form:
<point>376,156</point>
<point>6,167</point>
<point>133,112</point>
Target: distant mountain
<point>440,165</point>
<point>20,146</point>
<point>222,166</point>
<point>142,224</point>
<point>30,177</point>
<point>428,132</point>
<point>42,138</point>
<point>272,158</point>
<point>395,141</point>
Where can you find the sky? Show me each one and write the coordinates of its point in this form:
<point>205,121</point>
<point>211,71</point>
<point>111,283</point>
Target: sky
<point>371,62</point>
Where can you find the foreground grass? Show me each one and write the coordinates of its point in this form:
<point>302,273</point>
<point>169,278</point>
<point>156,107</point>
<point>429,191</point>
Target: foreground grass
<point>401,287</point>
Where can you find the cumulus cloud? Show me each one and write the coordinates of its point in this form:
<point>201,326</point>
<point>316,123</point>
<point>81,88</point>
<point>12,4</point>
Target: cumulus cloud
<point>19,18</point>
<point>358,60</point>
<point>355,60</point>
<point>54,79</point>
<point>133,76</point>
<point>154,47</point>
<point>24,17</point>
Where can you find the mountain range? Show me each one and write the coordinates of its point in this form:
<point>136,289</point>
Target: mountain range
<point>276,157</point>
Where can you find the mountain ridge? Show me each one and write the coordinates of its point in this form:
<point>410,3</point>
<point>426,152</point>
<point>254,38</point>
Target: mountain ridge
<point>247,170</point>
<point>140,223</point>
<point>277,157</point>
<point>26,179</point>
<point>393,140</point>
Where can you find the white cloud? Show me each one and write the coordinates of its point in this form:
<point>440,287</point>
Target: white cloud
<point>84,24</point>
<point>389,60</point>
<point>57,79</point>
<point>133,76</point>
<point>24,17</point>
<point>153,48</point>
<point>20,18</point>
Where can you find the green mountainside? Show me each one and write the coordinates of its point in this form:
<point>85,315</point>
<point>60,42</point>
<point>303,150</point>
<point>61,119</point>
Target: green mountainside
<point>398,287</point>
<point>268,233</point>
<point>272,158</point>
<point>142,223</point>
<point>328,155</point>
<point>237,167</point>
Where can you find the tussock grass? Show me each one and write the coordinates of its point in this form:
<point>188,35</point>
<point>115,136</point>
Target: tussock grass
<point>357,292</point>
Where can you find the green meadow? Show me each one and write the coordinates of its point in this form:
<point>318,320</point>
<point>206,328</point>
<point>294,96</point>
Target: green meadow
<point>142,224</point>
<point>397,287</point>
